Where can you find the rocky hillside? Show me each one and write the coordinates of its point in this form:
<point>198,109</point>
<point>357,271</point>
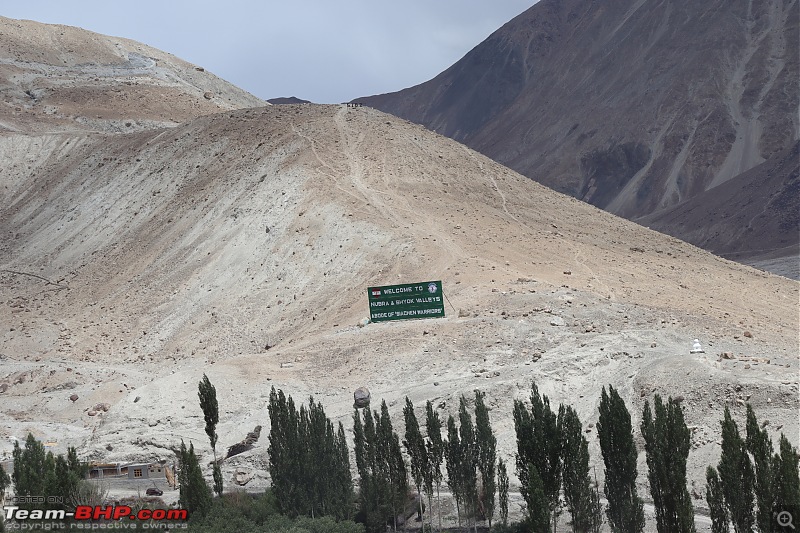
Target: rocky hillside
<point>633,106</point>
<point>241,245</point>
<point>62,78</point>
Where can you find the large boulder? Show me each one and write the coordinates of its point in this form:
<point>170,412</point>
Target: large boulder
<point>361,397</point>
<point>245,445</point>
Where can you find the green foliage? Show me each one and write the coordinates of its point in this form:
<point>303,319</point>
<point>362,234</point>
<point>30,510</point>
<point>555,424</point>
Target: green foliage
<point>625,510</point>
<point>463,455</point>
<point>537,501</point>
<point>195,495</point>
<point>308,461</point>
<point>487,455</point>
<point>5,481</point>
<point>469,460</point>
<point>502,482</point>
<point>787,480</point>
<point>736,476</point>
<point>538,445</point>
<point>667,443</point>
<point>596,509</point>
<point>760,446</point>
<point>716,502</point>
<point>453,464</point>
<point>522,527</point>
<point>417,451</point>
<point>379,459</point>
<point>392,454</point>
<point>216,474</point>
<point>31,467</point>
<point>582,503</point>
<point>242,513</point>
<point>435,447</point>
<point>40,473</point>
<point>208,403</point>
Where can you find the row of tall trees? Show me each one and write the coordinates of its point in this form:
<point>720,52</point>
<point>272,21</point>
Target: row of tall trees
<point>38,473</point>
<point>751,486</point>
<point>44,476</point>
<point>310,469</point>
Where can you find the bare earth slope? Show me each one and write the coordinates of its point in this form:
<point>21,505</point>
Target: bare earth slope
<point>633,106</point>
<point>241,245</point>
<point>62,78</point>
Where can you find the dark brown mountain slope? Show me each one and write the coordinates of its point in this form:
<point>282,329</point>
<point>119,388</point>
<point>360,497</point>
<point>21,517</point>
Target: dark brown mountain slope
<point>633,106</point>
<point>760,207</point>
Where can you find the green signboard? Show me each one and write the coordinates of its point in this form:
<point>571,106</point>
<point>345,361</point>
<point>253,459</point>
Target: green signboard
<point>411,300</point>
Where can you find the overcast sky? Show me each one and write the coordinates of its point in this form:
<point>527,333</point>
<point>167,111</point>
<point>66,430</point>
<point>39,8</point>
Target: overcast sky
<point>326,51</point>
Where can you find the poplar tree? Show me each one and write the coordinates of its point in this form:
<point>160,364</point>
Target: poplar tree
<point>392,457</point>
<point>39,473</point>
<point>308,460</point>
<point>285,454</point>
<point>787,479</point>
<point>487,455</point>
<point>379,459</point>
<point>5,481</point>
<point>469,462</point>
<point>195,495</point>
<point>208,403</point>
<point>736,475</point>
<point>372,489</point>
<point>625,509</point>
<point>538,446</point>
<point>453,463</point>
<point>435,447</point>
<point>502,482</point>
<point>31,469</point>
<point>417,451</point>
<point>343,476</point>
<point>760,446</point>
<point>667,443</point>
<point>582,501</point>
<point>537,501</point>
<point>325,466</point>
<point>716,502</point>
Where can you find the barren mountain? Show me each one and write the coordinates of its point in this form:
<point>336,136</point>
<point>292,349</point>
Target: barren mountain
<point>62,78</point>
<point>633,106</point>
<point>760,207</point>
<point>240,244</point>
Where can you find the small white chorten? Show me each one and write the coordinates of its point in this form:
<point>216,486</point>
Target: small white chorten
<point>696,348</point>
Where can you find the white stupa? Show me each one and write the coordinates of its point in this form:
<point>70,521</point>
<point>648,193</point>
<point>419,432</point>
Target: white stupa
<point>696,348</point>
